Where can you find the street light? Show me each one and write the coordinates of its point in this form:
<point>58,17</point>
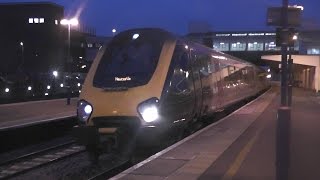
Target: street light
<point>295,37</point>
<point>114,31</point>
<point>55,73</point>
<point>69,23</point>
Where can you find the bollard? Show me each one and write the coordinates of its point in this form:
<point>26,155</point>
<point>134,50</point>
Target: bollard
<point>283,143</point>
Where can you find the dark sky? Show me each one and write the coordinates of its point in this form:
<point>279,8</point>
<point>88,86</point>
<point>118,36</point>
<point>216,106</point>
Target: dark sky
<point>174,15</point>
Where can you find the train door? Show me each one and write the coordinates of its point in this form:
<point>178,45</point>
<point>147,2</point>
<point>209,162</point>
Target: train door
<point>218,86</point>
<point>196,65</point>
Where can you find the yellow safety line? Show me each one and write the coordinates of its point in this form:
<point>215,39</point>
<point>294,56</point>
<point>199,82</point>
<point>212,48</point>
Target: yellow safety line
<point>240,158</point>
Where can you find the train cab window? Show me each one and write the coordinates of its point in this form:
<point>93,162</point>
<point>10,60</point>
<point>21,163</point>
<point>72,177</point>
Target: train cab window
<point>181,81</point>
<point>129,60</point>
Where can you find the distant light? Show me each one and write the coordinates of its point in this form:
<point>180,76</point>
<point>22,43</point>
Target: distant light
<point>41,20</point>
<point>269,70</point>
<point>56,22</point>
<point>77,77</point>
<point>30,20</point>
<point>64,22</point>
<point>61,85</point>
<point>83,66</point>
<point>74,21</point>
<point>186,46</point>
<point>238,42</point>
<point>21,43</point>
<point>46,94</point>
<point>295,37</point>
<point>48,87</point>
<point>187,74</point>
<point>221,43</point>
<point>255,43</point>
<point>29,88</point>
<point>79,84</point>
<point>269,76</point>
<point>114,30</point>
<point>79,91</point>
<point>7,90</point>
<point>298,7</point>
<point>80,57</point>
<point>55,73</point>
<point>135,36</point>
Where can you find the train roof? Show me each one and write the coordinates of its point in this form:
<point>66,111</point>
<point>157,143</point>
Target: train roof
<point>201,47</point>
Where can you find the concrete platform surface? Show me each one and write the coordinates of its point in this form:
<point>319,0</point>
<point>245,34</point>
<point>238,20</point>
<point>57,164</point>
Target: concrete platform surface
<point>27,113</point>
<point>191,157</point>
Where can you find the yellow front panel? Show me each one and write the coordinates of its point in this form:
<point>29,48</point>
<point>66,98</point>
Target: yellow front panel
<point>124,103</point>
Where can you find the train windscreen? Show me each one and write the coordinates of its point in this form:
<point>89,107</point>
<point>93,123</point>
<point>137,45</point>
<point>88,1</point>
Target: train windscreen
<point>129,60</point>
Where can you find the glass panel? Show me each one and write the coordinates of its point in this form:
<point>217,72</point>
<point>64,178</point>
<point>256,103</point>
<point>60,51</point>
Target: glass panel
<point>271,46</point>
<point>130,59</point>
<point>221,46</point>
<point>238,46</point>
<point>313,51</point>
<point>255,46</point>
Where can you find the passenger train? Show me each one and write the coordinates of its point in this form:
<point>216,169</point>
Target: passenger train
<point>147,81</point>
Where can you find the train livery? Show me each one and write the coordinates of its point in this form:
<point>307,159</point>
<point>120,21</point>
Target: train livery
<point>146,81</point>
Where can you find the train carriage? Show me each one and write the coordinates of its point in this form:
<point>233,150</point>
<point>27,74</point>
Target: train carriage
<point>146,81</point>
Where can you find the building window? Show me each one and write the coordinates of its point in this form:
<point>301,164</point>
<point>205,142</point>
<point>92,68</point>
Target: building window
<point>36,20</point>
<point>90,45</point>
<point>271,46</point>
<point>313,51</point>
<point>255,46</point>
<point>238,46</point>
<point>221,46</point>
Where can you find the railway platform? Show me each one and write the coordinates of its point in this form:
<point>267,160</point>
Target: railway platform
<point>23,114</point>
<point>242,145</point>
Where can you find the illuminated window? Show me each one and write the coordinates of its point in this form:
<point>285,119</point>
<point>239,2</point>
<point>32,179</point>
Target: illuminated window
<point>271,46</point>
<point>36,20</point>
<point>238,46</point>
<point>221,46</point>
<point>255,46</point>
<point>41,20</point>
<point>90,45</point>
<point>313,51</point>
<point>30,20</point>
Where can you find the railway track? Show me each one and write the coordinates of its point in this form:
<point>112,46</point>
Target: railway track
<point>22,164</point>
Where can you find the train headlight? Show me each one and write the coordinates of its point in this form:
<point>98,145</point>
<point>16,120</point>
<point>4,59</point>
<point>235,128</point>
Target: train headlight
<point>148,110</point>
<point>84,111</point>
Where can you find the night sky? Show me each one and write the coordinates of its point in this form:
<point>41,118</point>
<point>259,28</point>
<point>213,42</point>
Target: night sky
<point>174,15</point>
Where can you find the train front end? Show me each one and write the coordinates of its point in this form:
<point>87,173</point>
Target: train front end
<point>121,93</point>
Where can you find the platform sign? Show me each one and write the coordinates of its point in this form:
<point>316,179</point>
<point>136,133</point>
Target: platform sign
<point>274,16</point>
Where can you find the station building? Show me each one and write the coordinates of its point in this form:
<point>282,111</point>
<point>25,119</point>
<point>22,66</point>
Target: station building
<point>31,38</point>
<point>259,47</point>
<point>34,44</point>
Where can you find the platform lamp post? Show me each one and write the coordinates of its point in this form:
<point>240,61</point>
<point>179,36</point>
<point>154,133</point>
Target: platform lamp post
<point>55,75</point>
<point>290,69</point>
<point>285,18</point>
<point>22,53</point>
<point>69,23</point>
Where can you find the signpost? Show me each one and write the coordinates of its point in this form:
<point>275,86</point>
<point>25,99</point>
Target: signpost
<point>285,18</point>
